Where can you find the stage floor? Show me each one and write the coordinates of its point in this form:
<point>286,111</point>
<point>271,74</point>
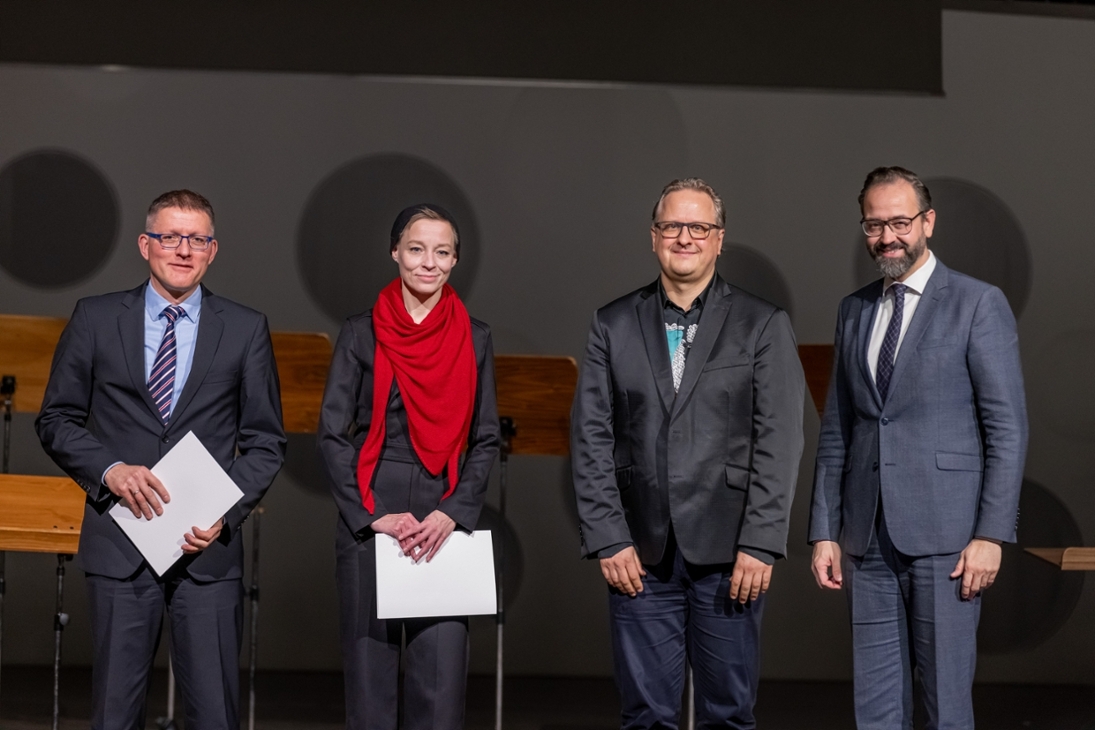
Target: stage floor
<point>313,701</point>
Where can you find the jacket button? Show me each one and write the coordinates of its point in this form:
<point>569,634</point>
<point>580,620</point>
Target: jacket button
<point>874,466</point>
<point>166,440</point>
<point>885,421</point>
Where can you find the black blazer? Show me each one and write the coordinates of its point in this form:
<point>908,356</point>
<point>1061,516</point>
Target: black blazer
<point>718,460</point>
<point>97,410</point>
<point>347,412</point>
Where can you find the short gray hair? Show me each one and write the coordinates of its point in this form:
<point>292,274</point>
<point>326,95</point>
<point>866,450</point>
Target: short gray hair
<point>890,175</point>
<point>692,183</point>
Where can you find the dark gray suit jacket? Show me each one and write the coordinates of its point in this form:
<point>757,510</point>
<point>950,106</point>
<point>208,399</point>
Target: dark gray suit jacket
<point>97,411</point>
<point>347,413</point>
<point>946,449</point>
<point>718,460</point>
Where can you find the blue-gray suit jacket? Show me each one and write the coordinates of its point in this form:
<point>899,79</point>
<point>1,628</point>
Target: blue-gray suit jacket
<point>97,411</point>
<point>946,449</point>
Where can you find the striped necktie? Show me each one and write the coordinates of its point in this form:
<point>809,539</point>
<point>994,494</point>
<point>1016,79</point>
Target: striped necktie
<point>889,344</point>
<point>161,383</point>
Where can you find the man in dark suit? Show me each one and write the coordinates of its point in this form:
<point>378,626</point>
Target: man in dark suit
<point>686,436</point>
<point>133,373</point>
<point>919,463</point>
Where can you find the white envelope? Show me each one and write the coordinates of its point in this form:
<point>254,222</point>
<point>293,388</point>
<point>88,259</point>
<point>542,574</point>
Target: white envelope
<point>201,493</point>
<point>458,581</point>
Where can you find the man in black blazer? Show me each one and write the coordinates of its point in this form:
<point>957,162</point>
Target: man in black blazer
<point>133,373</point>
<point>686,436</point>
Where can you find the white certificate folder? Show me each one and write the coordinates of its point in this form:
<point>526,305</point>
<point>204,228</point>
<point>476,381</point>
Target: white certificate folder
<point>458,581</point>
<point>201,493</point>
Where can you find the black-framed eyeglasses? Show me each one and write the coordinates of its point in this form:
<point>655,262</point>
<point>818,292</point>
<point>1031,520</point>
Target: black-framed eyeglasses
<point>900,226</point>
<point>672,229</point>
<point>171,241</point>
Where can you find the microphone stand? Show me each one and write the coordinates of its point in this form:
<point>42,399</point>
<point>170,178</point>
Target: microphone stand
<point>509,430</point>
<point>7,392</point>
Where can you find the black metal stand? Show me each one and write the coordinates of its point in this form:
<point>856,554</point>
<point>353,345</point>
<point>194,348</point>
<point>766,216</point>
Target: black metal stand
<point>253,593</point>
<point>60,621</point>
<point>7,392</point>
<point>509,430</point>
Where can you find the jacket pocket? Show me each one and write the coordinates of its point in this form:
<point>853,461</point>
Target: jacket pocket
<point>938,342</point>
<point>957,462</point>
<point>623,478</point>
<point>737,478</point>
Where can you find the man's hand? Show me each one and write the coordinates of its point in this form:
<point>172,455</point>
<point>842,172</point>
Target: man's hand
<point>424,540</point>
<point>624,571</point>
<point>978,565</point>
<point>138,488</point>
<point>198,540</point>
<point>750,578</point>
<point>826,565</point>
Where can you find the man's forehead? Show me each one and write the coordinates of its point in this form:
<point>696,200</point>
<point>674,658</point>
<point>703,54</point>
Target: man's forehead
<point>187,215</point>
<point>889,194</point>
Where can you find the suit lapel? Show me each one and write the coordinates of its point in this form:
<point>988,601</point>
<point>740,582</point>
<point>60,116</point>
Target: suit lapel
<point>712,319</point>
<point>131,333</point>
<point>934,291</point>
<point>652,324</point>
<point>210,327</point>
<point>868,310</point>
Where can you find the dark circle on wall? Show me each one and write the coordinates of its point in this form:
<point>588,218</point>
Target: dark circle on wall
<point>303,465</point>
<point>514,572</point>
<point>975,233</point>
<point>1031,599</point>
<point>1068,398</point>
<point>58,219</point>
<point>343,237</point>
<point>757,274</point>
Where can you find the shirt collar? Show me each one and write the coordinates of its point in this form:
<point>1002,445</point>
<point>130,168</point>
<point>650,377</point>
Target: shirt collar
<point>918,280</point>
<point>697,303</point>
<point>154,304</point>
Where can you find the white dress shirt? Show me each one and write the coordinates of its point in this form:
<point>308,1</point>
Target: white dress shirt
<point>914,289</point>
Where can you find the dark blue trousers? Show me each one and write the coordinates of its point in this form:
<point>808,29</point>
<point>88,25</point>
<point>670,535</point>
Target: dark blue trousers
<point>685,613</point>
<point>206,629</point>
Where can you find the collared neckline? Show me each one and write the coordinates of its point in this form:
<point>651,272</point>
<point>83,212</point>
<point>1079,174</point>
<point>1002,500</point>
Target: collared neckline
<point>154,304</point>
<point>697,303</point>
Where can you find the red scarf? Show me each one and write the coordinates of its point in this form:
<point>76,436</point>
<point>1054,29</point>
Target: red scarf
<point>434,364</point>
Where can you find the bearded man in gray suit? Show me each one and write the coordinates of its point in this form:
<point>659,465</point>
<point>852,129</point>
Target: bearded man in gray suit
<point>134,372</point>
<point>919,463</point>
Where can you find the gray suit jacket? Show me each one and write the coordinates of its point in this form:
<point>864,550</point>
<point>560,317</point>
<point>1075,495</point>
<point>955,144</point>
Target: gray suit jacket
<point>946,449</point>
<point>718,460</point>
<point>97,410</point>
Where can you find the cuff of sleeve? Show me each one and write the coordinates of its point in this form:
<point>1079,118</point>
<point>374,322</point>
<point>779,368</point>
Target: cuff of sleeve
<point>608,552</point>
<point>762,555</point>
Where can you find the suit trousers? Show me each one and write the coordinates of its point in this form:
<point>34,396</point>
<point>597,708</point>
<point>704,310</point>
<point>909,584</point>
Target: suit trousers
<point>684,612</point>
<point>908,615</point>
<point>436,655</point>
<point>206,622</point>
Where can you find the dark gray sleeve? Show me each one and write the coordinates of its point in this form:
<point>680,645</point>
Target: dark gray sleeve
<point>600,512</point>
<point>338,433</point>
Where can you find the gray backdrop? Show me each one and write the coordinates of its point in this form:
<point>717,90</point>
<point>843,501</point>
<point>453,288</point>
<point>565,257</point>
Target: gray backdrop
<point>553,185</point>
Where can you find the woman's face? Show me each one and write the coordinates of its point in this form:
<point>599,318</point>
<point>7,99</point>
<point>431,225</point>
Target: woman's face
<point>426,254</point>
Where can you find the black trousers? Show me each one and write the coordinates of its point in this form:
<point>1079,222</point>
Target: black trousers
<point>436,653</point>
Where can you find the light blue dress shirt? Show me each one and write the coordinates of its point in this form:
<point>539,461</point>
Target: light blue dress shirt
<point>186,334</point>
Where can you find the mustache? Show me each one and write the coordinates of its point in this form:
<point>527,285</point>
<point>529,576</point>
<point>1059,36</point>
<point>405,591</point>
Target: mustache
<point>887,247</point>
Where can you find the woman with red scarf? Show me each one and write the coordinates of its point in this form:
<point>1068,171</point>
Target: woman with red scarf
<point>408,434</point>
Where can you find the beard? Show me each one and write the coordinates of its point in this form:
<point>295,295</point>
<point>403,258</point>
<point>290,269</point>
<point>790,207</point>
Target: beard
<point>896,268</point>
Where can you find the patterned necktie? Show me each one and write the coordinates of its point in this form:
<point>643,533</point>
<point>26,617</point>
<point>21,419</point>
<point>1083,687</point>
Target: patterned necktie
<point>161,383</point>
<point>889,345</point>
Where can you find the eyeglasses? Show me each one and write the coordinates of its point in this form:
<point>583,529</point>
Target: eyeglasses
<point>672,229</point>
<point>900,226</point>
<point>171,241</point>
